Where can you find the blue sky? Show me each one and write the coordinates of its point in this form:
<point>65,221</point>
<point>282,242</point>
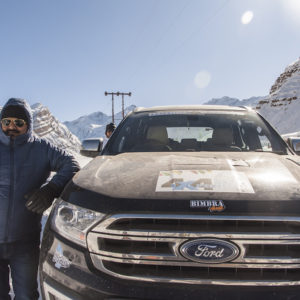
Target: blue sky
<point>66,53</point>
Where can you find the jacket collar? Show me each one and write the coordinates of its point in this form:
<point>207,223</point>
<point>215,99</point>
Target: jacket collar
<point>6,140</point>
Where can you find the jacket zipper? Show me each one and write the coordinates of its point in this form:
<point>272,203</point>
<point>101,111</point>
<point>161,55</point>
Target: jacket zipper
<point>11,187</point>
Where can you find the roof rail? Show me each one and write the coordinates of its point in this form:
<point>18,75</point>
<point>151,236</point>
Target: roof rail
<point>246,107</point>
<point>137,109</point>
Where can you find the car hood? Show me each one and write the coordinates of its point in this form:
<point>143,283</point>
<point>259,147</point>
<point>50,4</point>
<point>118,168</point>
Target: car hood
<point>226,175</point>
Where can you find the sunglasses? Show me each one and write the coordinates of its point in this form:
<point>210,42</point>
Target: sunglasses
<point>18,122</point>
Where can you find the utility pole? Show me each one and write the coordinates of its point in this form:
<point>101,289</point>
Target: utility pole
<point>112,102</point>
<point>124,94</point>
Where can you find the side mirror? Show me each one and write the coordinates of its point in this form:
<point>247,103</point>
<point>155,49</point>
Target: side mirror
<point>91,147</point>
<point>294,143</point>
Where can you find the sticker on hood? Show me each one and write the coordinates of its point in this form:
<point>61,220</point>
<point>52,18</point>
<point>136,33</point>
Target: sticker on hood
<point>217,181</point>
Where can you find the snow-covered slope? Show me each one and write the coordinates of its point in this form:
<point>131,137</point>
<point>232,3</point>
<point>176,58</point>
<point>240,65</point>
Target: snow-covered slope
<point>282,106</point>
<point>93,125</point>
<point>234,101</point>
<point>291,134</point>
<point>46,126</point>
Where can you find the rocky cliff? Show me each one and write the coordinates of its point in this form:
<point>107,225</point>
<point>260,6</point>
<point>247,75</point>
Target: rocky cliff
<point>46,126</point>
<point>282,106</point>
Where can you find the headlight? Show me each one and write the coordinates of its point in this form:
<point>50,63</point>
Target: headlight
<point>73,222</point>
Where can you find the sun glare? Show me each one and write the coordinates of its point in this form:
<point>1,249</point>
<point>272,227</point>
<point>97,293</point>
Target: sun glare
<point>202,79</point>
<point>293,5</point>
<point>292,8</point>
<point>247,17</point>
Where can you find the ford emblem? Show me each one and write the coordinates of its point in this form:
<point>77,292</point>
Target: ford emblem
<point>209,251</point>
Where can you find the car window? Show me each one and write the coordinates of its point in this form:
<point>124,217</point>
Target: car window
<point>179,134</point>
<point>194,131</point>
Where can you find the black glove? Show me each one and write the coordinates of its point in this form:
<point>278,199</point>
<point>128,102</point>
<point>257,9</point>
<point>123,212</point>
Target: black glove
<point>39,200</point>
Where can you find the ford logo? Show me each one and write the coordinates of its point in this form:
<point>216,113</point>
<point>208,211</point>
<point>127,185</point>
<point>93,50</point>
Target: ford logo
<point>209,251</point>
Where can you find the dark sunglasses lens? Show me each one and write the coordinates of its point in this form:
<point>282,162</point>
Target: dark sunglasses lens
<point>19,123</point>
<point>5,122</point>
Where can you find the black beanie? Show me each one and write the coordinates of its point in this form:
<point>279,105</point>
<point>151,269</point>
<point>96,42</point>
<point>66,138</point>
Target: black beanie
<point>110,127</point>
<point>14,111</point>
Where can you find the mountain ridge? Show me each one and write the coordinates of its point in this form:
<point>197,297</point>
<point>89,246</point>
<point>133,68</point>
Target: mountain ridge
<point>252,101</point>
<point>93,125</point>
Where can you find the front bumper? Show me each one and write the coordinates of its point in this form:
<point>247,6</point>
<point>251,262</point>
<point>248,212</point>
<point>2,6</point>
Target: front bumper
<point>66,272</point>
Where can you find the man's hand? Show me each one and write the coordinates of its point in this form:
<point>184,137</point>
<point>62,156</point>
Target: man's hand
<point>39,200</point>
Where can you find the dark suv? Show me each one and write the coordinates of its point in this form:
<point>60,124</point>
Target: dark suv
<point>184,202</point>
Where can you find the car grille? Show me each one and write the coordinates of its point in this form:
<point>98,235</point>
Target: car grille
<point>147,248</point>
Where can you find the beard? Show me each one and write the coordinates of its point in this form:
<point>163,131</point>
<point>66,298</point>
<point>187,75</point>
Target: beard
<point>12,132</point>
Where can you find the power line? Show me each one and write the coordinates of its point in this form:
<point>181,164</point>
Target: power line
<point>203,25</point>
<point>206,22</point>
<point>133,44</point>
<point>142,29</point>
<point>171,24</point>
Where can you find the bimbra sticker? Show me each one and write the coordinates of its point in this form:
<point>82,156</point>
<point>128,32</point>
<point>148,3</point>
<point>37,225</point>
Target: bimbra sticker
<point>211,205</point>
<point>217,181</point>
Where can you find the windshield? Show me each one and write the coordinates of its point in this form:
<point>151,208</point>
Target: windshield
<point>194,131</point>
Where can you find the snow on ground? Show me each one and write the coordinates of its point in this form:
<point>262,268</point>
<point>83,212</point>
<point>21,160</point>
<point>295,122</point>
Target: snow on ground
<point>293,134</point>
<point>82,160</point>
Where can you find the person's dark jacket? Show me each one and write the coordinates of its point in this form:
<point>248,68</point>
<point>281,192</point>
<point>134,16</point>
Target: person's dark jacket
<point>25,165</point>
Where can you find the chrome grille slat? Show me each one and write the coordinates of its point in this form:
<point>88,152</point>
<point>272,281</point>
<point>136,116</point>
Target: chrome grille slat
<point>205,234</point>
<point>154,245</point>
<point>234,280</point>
<point>191,264</point>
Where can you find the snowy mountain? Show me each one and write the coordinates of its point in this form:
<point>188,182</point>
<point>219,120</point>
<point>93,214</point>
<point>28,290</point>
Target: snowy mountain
<point>93,125</point>
<point>253,101</point>
<point>282,106</point>
<point>46,126</point>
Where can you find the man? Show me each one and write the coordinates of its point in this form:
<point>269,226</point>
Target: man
<point>110,128</point>
<point>25,165</point>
